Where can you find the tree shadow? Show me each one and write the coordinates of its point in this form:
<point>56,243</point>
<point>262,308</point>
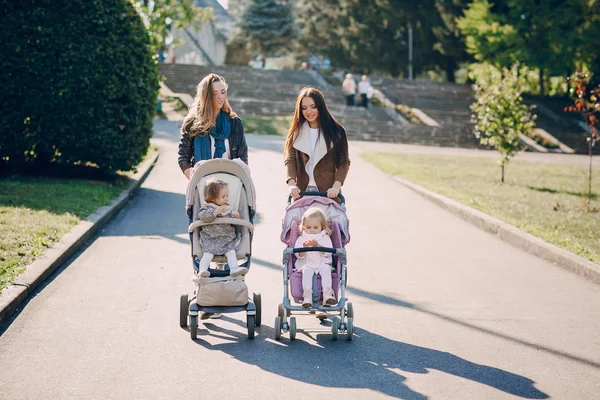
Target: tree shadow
<point>594,196</point>
<point>367,363</point>
<point>415,307</point>
<point>152,213</point>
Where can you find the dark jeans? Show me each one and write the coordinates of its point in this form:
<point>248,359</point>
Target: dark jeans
<point>364,100</point>
<point>350,100</point>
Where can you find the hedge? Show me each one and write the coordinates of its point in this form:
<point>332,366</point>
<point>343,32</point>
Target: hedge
<point>79,84</point>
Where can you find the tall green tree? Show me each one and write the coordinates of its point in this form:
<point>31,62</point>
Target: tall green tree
<point>449,45</point>
<point>161,16</point>
<point>269,27</point>
<point>540,34</point>
<point>366,36</point>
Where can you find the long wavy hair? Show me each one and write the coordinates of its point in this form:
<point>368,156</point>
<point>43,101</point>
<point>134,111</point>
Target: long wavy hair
<point>201,117</point>
<point>333,132</point>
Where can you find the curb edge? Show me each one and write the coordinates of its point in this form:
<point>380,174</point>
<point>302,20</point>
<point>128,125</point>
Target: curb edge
<point>16,294</point>
<point>508,233</point>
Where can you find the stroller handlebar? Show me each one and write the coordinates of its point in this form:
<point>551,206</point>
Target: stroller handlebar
<point>322,194</point>
<point>316,248</point>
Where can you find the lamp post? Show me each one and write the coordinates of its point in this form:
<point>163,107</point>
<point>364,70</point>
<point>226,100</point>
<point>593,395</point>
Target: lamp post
<point>410,40</point>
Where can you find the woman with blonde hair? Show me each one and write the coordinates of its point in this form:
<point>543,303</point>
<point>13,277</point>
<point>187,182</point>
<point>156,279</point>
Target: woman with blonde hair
<point>211,129</point>
<point>316,150</point>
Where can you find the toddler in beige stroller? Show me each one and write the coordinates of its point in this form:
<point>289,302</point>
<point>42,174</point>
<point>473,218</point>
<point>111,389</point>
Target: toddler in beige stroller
<point>221,287</point>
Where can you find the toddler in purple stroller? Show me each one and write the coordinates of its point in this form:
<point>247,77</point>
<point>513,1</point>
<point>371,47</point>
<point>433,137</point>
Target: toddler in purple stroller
<point>318,297</point>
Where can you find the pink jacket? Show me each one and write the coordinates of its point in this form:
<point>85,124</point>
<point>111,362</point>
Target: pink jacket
<point>313,259</point>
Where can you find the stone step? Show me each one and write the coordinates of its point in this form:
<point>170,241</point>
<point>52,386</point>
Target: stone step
<point>273,93</point>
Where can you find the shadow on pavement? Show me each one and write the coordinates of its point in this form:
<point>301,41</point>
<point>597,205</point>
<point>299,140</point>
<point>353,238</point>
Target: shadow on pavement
<point>152,213</point>
<point>399,303</point>
<point>367,363</point>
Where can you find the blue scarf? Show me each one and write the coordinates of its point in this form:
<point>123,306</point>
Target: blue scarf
<point>220,134</point>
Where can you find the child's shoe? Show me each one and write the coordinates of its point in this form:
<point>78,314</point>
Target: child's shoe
<point>238,271</point>
<point>328,297</point>
<point>204,274</point>
<point>307,301</point>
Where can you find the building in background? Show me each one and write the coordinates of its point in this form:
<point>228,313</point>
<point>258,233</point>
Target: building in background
<point>207,45</point>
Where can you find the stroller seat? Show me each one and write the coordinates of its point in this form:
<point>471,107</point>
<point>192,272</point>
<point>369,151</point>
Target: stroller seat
<point>296,276</point>
<point>240,191</point>
<point>341,314</point>
<point>221,293</point>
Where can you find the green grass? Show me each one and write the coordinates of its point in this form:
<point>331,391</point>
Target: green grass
<point>36,212</point>
<point>267,125</point>
<point>546,200</point>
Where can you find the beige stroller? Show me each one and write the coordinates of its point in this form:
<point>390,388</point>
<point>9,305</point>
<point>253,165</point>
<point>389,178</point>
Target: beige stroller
<point>220,292</point>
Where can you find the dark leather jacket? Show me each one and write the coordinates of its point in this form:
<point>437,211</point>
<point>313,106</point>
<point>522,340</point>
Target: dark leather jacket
<point>237,145</point>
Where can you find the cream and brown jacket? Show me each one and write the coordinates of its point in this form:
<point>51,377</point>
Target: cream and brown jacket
<point>327,170</point>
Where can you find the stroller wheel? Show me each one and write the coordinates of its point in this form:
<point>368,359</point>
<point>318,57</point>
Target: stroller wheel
<point>292,328</point>
<point>183,310</point>
<point>277,328</point>
<point>349,310</point>
<point>258,303</point>
<point>280,310</point>
<point>335,324</point>
<point>194,327</point>
<point>349,328</point>
<point>251,323</point>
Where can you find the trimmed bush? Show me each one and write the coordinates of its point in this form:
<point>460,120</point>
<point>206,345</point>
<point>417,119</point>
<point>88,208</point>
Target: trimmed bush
<point>79,84</point>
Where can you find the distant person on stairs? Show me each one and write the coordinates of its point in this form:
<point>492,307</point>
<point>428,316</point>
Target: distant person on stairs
<point>349,89</point>
<point>211,129</point>
<point>365,90</point>
<point>316,150</point>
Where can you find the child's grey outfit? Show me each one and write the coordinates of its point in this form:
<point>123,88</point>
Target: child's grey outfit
<point>216,239</point>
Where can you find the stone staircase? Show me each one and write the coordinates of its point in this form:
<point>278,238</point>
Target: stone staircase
<point>447,103</point>
<point>273,93</point>
<point>552,118</point>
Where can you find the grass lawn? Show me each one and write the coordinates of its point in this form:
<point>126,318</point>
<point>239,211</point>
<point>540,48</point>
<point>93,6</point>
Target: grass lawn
<point>267,125</point>
<point>37,212</point>
<point>545,200</point>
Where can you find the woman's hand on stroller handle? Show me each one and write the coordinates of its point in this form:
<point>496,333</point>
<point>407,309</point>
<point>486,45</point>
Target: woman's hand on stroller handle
<point>321,194</point>
<point>334,191</point>
<point>294,192</point>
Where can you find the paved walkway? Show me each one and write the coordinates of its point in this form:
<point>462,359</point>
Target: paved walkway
<point>443,310</point>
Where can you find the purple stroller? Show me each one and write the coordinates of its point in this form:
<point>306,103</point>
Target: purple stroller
<point>342,314</point>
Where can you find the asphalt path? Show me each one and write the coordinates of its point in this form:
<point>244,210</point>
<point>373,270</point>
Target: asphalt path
<point>442,309</point>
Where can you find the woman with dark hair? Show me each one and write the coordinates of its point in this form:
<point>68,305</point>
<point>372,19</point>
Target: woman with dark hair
<point>316,149</point>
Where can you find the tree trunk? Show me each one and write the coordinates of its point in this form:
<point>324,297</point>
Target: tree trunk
<point>394,70</point>
<point>589,199</point>
<point>502,166</point>
<point>541,82</point>
<point>450,69</point>
<point>264,61</point>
